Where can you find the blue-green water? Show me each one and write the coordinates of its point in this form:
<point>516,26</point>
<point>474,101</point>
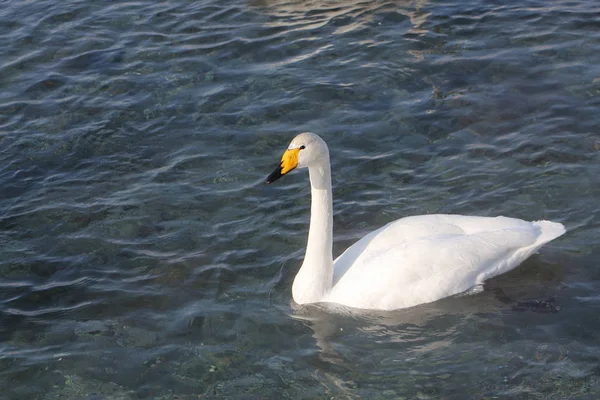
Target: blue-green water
<point>142,257</point>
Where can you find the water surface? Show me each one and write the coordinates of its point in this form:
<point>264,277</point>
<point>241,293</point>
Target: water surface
<point>141,255</point>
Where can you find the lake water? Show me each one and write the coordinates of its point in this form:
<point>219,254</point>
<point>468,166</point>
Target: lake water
<point>143,257</point>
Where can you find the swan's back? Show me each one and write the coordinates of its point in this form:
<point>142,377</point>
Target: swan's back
<point>424,258</point>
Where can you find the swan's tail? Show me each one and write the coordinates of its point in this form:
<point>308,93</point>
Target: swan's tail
<point>549,231</point>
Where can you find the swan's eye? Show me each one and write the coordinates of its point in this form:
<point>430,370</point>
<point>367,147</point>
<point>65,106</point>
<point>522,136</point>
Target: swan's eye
<point>302,147</point>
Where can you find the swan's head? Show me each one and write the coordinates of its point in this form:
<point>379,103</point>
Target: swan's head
<point>305,150</point>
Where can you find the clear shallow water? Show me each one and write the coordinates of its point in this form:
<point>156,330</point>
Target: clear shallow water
<point>143,257</point>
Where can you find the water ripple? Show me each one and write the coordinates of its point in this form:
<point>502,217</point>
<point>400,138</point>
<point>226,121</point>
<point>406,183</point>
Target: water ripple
<point>141,254</point>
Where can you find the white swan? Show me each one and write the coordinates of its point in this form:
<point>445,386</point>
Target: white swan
<point>407,262</point>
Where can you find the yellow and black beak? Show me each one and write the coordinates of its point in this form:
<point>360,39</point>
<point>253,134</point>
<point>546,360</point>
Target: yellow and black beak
<point>289,161</point>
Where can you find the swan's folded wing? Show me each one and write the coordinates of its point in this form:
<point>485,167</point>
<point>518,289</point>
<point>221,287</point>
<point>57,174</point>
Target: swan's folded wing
<point>429,268</point>
<point>392,236</point>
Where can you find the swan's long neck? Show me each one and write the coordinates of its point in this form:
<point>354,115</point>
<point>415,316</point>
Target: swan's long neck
<point>313,281</point>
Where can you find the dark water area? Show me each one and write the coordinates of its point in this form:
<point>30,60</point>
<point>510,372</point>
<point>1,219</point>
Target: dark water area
<point>142,256</point>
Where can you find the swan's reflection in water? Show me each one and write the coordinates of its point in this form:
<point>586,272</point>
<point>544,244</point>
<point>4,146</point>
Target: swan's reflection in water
<point>406,332</point>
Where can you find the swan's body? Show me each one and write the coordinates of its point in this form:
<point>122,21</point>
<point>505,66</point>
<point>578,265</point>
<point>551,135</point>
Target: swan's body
<point>407,262</point>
